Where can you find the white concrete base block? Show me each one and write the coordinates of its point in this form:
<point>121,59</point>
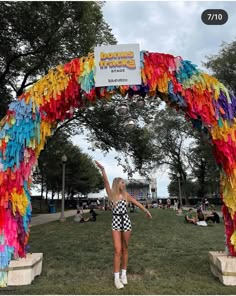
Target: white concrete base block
<point>223,267</point>
<point>23,271</point>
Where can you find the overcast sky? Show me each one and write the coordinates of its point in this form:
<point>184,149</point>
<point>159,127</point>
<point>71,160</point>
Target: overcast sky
<point>167,27</point>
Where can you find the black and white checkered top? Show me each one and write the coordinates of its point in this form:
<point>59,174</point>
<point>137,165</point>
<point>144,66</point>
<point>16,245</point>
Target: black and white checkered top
<point>120,220</point>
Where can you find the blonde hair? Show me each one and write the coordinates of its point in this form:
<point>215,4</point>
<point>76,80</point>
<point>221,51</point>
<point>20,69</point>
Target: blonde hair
<point>116,190</point>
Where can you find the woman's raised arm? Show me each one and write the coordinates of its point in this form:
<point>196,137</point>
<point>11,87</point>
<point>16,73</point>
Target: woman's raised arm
<point>105,179</point>
<point>138,204</point>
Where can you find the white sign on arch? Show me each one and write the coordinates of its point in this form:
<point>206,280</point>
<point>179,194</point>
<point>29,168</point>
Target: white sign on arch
<point>117,65</point>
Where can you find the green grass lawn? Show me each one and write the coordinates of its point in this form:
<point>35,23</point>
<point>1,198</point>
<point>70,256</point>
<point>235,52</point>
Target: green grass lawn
<point>167,256</point>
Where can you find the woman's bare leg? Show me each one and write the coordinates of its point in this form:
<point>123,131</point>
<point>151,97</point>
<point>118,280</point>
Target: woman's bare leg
<point>117,241</point>
<point>125,241</point>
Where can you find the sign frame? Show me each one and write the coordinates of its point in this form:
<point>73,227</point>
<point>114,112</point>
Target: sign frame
<point>117,65</point>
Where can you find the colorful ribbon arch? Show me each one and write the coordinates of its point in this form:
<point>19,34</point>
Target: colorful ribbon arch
<point>32,118</point>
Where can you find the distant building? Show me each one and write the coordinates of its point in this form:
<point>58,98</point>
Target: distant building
<point>97,195</point>
<point>141,189</point>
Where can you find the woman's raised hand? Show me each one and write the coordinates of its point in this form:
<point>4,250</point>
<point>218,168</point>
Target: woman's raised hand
<point>101,167</point>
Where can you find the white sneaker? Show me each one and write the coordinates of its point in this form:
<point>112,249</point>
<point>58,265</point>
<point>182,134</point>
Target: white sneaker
<point>118,284</point>
<point>124,279</point>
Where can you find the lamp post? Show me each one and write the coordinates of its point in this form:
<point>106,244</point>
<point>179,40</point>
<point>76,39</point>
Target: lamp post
<point>64,160</point>
<point>203,169</point>
<point>180,194</point>
<point>42,185</point>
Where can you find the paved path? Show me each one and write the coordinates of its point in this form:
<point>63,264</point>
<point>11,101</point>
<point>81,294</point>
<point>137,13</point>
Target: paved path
<point>46,218</point>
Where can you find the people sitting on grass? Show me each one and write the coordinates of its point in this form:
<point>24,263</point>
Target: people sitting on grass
<point>79,217</point>
<point>214,217</point>
<point>190,217</point>
<point>94,215</point>
<point>200,217</point>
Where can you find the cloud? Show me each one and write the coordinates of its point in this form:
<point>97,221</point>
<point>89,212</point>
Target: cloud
<point>173,27</point>
<point>107,160</point>
<point>112,168</point>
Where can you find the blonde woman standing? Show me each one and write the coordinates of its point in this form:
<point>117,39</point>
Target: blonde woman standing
<point>121,225</point>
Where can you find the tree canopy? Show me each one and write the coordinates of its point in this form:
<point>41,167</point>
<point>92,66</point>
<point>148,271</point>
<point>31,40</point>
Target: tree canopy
<point>82,176</point>
<point>223,64</point>
<point>36,36</point>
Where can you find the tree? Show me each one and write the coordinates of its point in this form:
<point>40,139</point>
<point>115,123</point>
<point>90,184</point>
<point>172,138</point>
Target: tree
<point>36,36</point>
<point>203,166</point>
<point>108,130</point>
<point>170,132</point>
<point>190,187</point>
<point>203,174</point>
<point>223,64</point>
<point>82,176</point>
